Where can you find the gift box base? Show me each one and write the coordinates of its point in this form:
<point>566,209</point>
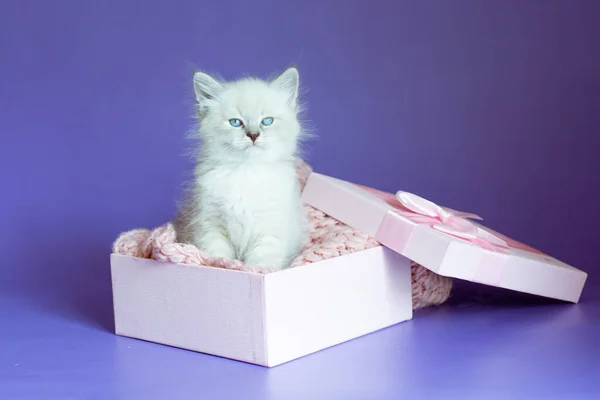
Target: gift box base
<point>261,319</point>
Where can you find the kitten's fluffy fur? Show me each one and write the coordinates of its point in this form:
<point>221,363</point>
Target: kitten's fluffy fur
<point>245,200</point>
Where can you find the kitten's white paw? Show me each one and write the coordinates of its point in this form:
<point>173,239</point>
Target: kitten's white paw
<point>269,258</point>
<point>217,247</point>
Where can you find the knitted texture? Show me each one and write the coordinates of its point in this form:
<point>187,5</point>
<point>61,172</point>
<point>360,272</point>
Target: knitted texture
<point>327,238</point>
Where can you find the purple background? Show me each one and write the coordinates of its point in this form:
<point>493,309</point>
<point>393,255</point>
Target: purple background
<point>486,106</point>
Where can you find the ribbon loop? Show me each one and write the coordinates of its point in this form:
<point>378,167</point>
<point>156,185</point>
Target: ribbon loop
<point>421,206</point>
<point>450,222</point>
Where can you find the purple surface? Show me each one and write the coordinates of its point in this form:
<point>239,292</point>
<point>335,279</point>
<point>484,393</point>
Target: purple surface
<point>490,107</point>
<point>492,346</point>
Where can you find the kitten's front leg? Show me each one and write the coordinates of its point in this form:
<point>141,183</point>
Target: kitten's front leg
<point>212,241</point>
<point>269,251</point>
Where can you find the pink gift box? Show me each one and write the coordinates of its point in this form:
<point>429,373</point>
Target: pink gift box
<point>445,241</point>
<point>265,319</point>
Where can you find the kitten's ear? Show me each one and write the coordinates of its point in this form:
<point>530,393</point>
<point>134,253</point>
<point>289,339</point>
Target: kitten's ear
<point>206,87</point>
<point>289,82</point>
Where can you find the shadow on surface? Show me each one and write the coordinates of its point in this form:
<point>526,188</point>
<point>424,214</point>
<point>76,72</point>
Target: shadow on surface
<point>469,294</point>
<point>480,301</point>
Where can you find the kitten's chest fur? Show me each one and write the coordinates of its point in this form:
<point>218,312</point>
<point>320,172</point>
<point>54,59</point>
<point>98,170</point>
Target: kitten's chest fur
<point>248,188</point>
<point>251,201</point>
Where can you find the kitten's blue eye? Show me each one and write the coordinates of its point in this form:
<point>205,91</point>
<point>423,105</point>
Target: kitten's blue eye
<point>267,121</point>
<point>236,123</point>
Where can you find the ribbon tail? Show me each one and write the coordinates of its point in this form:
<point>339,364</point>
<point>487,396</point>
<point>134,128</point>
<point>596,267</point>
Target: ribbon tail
<point>491,238</point>
<point>461,214</point>
<point>462,232</point>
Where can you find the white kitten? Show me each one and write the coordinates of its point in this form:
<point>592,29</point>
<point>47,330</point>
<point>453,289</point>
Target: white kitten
<point>245,200</point>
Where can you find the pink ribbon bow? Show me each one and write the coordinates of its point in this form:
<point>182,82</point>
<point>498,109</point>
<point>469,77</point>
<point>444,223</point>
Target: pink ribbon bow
<point>454,223</point>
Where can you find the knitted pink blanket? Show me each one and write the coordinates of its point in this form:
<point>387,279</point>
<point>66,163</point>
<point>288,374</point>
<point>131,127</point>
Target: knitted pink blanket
<point>328,238</point>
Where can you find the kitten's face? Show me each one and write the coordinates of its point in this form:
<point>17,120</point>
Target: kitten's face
<point>249,118</point>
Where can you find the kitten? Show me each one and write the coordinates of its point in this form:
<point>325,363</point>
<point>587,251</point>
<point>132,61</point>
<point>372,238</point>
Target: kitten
<point>245,200</point>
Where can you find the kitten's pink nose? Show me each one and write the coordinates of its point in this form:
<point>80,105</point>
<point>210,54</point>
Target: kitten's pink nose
<point>253,136</point>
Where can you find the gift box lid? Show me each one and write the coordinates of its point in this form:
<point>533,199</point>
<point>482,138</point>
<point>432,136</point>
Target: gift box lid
<point>445,241</point>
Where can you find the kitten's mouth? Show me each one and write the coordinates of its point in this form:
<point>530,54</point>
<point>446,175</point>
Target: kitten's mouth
<point>254,145</point>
